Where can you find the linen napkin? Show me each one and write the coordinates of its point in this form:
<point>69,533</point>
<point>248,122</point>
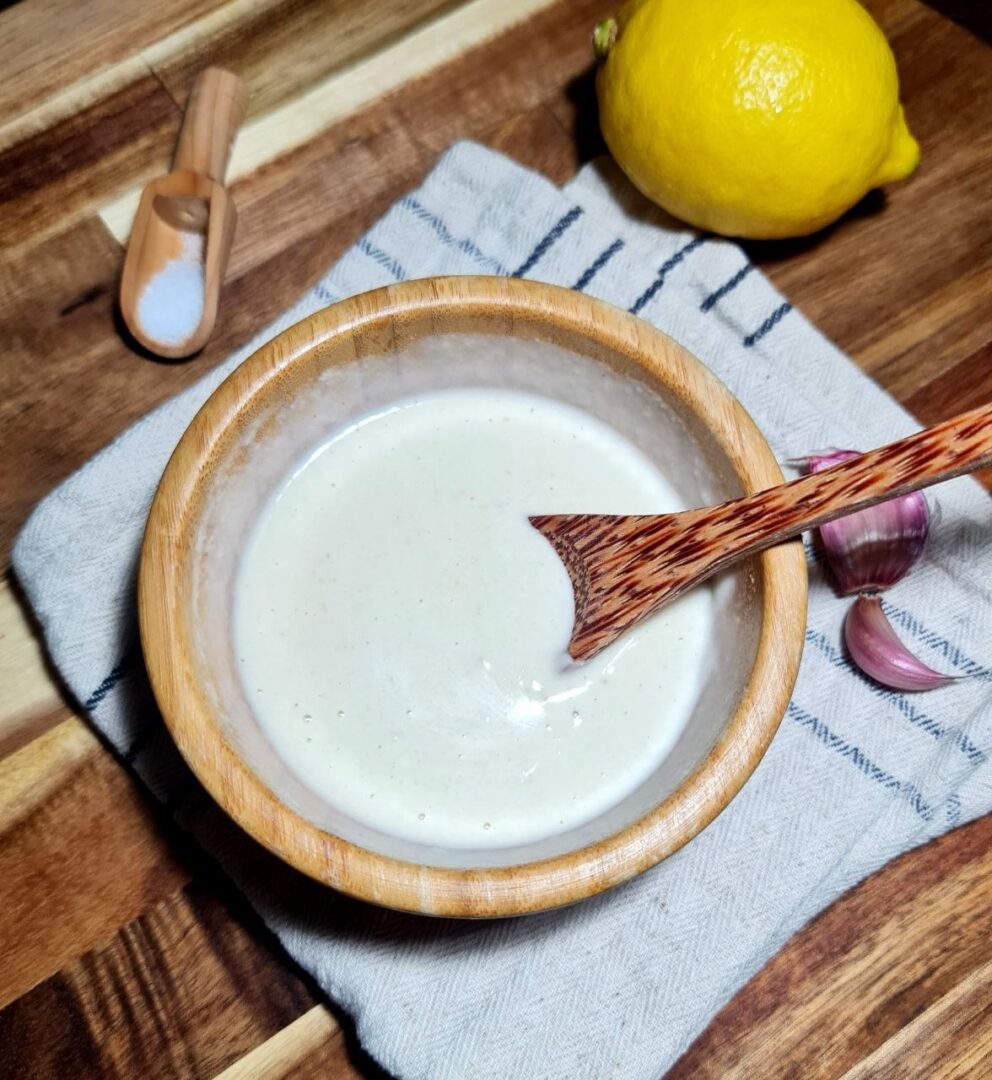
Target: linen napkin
<point>621,984</point>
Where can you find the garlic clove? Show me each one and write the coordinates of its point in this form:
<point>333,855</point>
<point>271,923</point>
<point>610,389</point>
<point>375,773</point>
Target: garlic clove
<point>872,549</point>
<point>876,649</point>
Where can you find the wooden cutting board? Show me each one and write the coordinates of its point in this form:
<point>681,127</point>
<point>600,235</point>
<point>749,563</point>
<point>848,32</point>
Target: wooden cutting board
<point>121,952</point>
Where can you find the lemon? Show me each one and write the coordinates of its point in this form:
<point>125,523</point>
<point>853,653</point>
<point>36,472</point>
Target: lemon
<point>755,118</point>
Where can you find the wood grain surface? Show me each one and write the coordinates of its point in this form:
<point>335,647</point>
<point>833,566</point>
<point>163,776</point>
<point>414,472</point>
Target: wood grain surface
<point>121,952</point>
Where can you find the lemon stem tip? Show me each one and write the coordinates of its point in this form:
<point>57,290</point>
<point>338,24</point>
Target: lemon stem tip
<point>604,37</point>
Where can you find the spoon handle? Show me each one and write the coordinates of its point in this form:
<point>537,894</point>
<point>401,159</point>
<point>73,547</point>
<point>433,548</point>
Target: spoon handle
<point>957,446</point>
<point>624,567</point>
<point>679,551</point>
<point>214,113</point>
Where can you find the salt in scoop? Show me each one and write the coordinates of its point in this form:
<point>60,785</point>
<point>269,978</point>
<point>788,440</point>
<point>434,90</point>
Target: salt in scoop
<point>183,230</point>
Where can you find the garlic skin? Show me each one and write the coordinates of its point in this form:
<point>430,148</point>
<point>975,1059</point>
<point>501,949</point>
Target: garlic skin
<point>876,649</point>
<point>869,551</point>
<point>872,549</point>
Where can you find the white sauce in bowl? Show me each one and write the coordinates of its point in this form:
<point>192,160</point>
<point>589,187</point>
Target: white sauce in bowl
<point>401,629</point>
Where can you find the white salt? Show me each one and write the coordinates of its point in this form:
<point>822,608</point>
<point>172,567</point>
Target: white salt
<point>171,306</point>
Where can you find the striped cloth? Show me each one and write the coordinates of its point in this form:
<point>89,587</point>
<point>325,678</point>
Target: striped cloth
<point>619,985</point>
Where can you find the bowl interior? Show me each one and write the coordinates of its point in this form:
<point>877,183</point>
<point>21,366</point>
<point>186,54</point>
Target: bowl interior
<point>351,374</point>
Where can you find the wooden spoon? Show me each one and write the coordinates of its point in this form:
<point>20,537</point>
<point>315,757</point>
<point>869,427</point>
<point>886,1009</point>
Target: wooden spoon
<point>190,202</point>
<point>623,568</point>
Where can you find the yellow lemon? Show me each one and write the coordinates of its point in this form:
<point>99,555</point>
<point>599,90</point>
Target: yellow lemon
<point>757,118</point>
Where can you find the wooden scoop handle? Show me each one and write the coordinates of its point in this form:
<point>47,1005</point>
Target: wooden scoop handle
<point>215,111</point>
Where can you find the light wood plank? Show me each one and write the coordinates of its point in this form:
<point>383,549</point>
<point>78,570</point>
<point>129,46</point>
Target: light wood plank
<point>29,702</point>
<point>32,775</point>
<point>286,1051</point>
<point>345,92</point>
<point>80,854</point>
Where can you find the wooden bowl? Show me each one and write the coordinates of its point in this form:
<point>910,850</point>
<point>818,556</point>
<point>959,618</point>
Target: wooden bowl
<point>260,421</point>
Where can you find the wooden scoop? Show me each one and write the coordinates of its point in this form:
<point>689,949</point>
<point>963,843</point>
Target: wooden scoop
<point>187,210</point>
<point>625,567</point>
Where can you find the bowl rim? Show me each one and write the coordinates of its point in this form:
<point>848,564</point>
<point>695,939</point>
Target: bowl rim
<point>444,891</point>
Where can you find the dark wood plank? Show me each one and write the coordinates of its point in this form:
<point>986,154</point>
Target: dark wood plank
<point>976,17</point>
<point>183,990</point>
<point>57,55</point>
<point>280,47</point>
<point>47,47</point>
<point>950,1040</point>
<point>80,854</point>
<point>332,1060</point>
<point>958,387</point>
<point>53,177</point>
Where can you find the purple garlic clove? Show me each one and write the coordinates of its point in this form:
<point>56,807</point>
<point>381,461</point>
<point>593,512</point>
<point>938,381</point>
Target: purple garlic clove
<point>876,649</point>
<point>872,549</point>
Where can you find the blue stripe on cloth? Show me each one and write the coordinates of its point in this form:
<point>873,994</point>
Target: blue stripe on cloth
<point>408,202</point>
<point>108,684</point>
<point>666,268</point>
<point>547,240</point>
<point>902,788</point>
<point>324,294</point>
<point>726,287</point>
<point>814,552</point>
<point>770,323</point>
<point>908,710</point>
<point>596,265</point>
<point>387,262</point>
<point>951,653</point>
